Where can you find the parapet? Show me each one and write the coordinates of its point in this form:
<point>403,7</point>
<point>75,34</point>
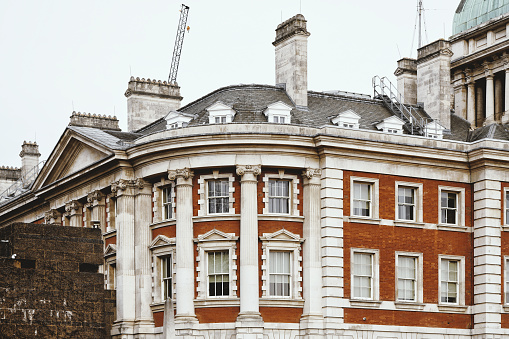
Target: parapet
<point>293,26</point>
<point>94,120</point>
<point>155,88</point>
<point>406,65</point>
<point>433,49</point>
<point>10,173</point>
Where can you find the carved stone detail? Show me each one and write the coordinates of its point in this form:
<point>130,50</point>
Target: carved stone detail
<point>255,169</point>
<point>185,173</point>
<point>95,196</point>
<point>51,215</point>
<point>312,172</point>
<point>72,207</point>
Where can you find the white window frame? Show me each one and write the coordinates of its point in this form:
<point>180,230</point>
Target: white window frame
<point>506,280</point>
<point>162,261</point>
<point>162,247</point>
<point>209,274</point>
<point>216,241</point>
<point>278,110</point>
<point>418,189</point>
<point>375,280</point>
<point>506,205</point>
<point>419,289</point>
<point>374,187</point>
<point>111,212</point>
<point>110,260</point>
<point>460,208</point>
<point>203,192</point>
<point>221,111</point>
<point>294,192</point>
<point>158,200</point>
<point>282,241</point>
<point>461,278</point>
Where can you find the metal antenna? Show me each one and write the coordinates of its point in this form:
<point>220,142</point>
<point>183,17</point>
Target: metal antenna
<point>179,40</point>
<point>419,10</point>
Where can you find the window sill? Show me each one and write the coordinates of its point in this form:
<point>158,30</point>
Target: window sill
<point>505,228</point>
<point>409,223</point>
<point>365,303</point>
<point>110,233</point>
<point>157,306</point>
<point>281,302</point>
<point>363,220</point>
<point>506,308</point>
<point>216,302</point>
<point>452,308</point>
<point>409,305</point>
<point>455,228</point>
<point>281,217</point>
<point>216,217</point>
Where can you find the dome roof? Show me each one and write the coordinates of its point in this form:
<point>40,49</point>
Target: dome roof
<point>471,13</point>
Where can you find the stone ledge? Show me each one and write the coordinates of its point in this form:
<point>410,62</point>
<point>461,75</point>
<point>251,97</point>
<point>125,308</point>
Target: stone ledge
<point>409,306</point>
<point>453,308</point>
<point>365,303</point>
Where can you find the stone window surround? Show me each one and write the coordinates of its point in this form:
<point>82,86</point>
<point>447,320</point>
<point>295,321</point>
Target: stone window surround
<point>157,198</point>
<point>294,192</point>
<point>461,279</point>
<point>110,258</point>
<point>375,285</point>
<point>506,282</point>
<point>290,243</point>
<point>374,182</point>
<point>419,288</point>
<point>418,189</point>
<point>161,247</point>
<point>460,208</point>
<point>505,222</point>
<point>203,192</point>
<point>215,241</point>
<point>111,210</point>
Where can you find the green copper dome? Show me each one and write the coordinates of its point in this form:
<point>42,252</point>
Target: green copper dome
<point>471,13</point>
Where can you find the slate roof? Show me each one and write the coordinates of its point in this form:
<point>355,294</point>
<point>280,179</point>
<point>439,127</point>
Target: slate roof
<point>250,101</point>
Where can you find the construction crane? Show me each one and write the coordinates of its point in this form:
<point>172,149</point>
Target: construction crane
<point>179,40</point>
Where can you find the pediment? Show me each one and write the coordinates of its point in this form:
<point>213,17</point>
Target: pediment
<point>216,235</point>
<point>71,154</point>
<point>349,114</point>
<point>394,120</point>
<point>162,240</point>
<point>281,235</point>
<point>110,250</point>
<point>218,106</point>
<point>279,106</point>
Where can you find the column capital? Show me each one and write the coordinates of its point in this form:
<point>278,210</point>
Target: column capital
<point>254,169</point>
<point>312,176</point>
<point>73,207</point>
<point>95,197</point>
<point>488,71</point>
<point>51,216</point>
<point>142,186</point>
<point>184,173</point>
<point>122,186</point>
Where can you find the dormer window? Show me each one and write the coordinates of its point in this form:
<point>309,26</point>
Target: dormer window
<point>347,119</point>
<point>176,119</point>
<point>220,113</point>
<point>434,130</point>
<point>278,113</point>
<point>393,125</point>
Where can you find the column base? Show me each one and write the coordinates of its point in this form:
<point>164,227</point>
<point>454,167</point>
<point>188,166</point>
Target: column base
<point>311,326</point>
<point>122,329</point>
<point>249,325</point>
<point>145,327</point>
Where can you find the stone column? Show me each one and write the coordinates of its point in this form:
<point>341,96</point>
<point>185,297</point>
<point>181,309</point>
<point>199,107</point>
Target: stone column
<point>471,102</point>
<point>185,254</point>
<point>142,238</point>
<point>479,106</point>
<point>73,211</point>
<point>249,322</point>
<point>97,201</point>
<point>490,96</point>
<point>125,278</point>
<point>499,99</point>
<point>487,255</point>
<point>460,94</point>
<point>53,217</point>
<point>312,318</point>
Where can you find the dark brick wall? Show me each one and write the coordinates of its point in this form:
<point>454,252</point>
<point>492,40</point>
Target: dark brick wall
<point>51,289</point>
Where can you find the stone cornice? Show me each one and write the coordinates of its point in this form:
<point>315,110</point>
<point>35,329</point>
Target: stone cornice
<point>483,53</point>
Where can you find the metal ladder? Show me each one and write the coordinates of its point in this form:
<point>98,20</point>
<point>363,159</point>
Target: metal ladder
<point>388,93</point>
<point>22,184</point>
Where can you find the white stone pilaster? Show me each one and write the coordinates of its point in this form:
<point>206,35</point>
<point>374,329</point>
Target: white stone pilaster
<point>311,323</point>
<point>490,97</point>
<point>185,316</point>
<point>331,194</point>
<point>125,272</point>
<point>142,238</point>
<point>249,322</point>
<point>505,117</point>
<point>487,256</point>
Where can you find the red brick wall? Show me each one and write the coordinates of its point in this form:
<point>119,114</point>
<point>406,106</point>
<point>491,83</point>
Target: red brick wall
<point>217,314</point>
<point>168,231</point>
<point>158,318</point>
<point>407,318</point>
<point>281,314</point>
<point>110,240</point>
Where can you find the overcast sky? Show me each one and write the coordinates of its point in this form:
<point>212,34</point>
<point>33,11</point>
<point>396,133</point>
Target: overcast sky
<point>57,56</point>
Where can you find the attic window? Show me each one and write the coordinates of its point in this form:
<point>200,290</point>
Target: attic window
<point>393,125</point>
<point>347,119</point>
<point>176,119</point>
<point>220,113</point>
<point>434,130</point>
<point>278,113</point>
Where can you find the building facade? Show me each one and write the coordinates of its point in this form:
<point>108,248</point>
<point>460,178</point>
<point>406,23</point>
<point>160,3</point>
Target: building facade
<point>263,211</point>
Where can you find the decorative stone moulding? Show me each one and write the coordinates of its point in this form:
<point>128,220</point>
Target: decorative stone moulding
<point>156,88</point>
<point>242,169</point>
<point>185,173</point>
<point>94,120</point>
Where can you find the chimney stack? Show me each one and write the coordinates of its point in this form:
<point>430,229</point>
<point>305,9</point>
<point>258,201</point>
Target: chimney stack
<point>149,100</point>
<point>406,74</point>
<point>291,46</point>
<point>29,158</point>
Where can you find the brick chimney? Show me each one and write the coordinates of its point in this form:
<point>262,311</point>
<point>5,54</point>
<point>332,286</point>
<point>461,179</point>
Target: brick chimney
<point>149,100</point>
<point>29,157</point>
<point>291,46</point>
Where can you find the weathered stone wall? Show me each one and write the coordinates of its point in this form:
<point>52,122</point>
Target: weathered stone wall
<point>50,286</point>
